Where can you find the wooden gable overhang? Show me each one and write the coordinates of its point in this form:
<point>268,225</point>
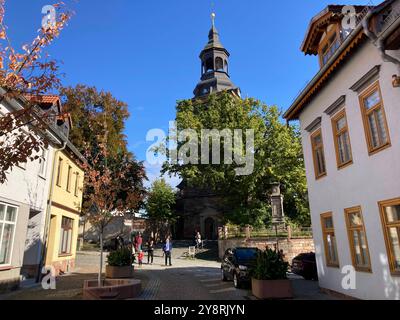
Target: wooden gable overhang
<point>331,15</point>
<point>342,54</point>
<point>316,29</point>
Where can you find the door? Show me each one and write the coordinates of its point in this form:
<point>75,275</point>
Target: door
<point>209,228</point>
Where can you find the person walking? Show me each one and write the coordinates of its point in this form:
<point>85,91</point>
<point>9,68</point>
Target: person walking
<point>150,251</point>
<point>167,251</point>
<point>198,240</point>
<point>138,242</point>
<point>140,257</point>
<point>133,251</point>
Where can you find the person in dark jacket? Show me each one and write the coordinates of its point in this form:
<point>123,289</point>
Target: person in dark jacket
<point>150,251</point>
<point>167,251</point>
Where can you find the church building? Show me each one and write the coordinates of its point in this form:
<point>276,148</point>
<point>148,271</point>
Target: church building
<point>201,210</point>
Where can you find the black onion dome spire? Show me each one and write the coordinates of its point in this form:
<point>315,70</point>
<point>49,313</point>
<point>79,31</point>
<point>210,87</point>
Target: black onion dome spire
<point>214,66</point>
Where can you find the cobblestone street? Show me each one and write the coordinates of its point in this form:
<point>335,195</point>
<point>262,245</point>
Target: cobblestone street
<point>187,279</point>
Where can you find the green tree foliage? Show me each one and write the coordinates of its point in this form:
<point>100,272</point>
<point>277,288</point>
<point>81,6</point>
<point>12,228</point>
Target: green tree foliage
<point>160,204</point>
<point>277,152</point>
<point>93,113</point>
<point>98,132</point>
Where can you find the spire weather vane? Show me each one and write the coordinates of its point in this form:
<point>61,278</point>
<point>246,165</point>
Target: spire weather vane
<point>213,15</point>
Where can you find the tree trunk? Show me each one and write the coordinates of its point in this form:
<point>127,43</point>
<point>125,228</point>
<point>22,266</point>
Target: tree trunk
<point>101,257</point>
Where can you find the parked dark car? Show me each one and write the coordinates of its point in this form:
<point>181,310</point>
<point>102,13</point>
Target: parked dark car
<point>305,265</point>
<point>237,264</point>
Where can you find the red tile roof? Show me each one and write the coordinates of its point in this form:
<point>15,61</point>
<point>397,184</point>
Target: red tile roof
<point>47,99</point>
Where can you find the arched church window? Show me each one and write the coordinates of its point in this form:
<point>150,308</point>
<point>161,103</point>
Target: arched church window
<point>219,64</point>
<point>226,66</point>
<point>209,65</point>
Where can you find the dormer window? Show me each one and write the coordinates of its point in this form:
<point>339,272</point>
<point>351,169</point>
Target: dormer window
<point>329,45</point>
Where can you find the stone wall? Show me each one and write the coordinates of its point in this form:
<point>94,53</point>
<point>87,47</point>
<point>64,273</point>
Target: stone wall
<point>291,248</point>
<point>65,266</point>
<point>119,226</point>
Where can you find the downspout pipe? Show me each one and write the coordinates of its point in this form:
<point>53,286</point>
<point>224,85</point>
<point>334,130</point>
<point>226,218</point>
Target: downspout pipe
<point>378,42</point>
<point>48,212</point>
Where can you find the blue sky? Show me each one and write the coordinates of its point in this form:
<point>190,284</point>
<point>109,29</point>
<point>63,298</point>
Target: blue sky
<point>146,52</point>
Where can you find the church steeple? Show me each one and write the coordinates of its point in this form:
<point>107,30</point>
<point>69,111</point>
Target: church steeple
<point>214,66</point>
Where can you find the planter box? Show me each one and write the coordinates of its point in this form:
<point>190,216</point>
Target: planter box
<point>119,272</point>
<point>115,289</point>
<point>272,289</point>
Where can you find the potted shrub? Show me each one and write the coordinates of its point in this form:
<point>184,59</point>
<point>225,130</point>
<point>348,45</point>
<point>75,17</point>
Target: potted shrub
<point>119,264</point>
<point>118,284</point>
<point>269,277</point>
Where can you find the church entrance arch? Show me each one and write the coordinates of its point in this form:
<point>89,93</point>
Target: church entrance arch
<point>209,229</point>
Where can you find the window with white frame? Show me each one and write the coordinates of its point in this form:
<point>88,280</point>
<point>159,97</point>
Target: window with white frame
<point>328,231</point>
<point>43,163</point>
<point>8,220</point>
<point>66,236</point>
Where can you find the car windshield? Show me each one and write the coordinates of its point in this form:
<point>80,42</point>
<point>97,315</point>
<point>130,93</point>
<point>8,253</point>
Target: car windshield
<point>246,254</point>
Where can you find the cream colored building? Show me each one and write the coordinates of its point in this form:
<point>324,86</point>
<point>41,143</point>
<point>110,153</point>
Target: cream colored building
<point>65,204</point>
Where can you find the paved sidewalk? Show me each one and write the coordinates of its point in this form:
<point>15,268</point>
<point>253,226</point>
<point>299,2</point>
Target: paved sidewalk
<point>187,279</point>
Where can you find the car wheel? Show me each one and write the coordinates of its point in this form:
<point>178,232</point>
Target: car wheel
<point>223,277</point>
<point>236,281</point>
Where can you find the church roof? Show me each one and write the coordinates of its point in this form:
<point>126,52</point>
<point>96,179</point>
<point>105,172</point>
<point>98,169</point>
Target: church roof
<point>213,40</point>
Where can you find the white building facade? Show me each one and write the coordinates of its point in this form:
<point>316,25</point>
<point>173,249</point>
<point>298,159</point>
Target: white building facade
<point>23,201</point>
<point>349,116</point>
<point>23,207</point>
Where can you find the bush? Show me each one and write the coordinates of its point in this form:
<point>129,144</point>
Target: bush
<point>120,258</point>
<point>270,266</point>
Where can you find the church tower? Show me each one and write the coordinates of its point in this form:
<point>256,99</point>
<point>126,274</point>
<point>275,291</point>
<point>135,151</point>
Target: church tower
<point>214,66</point>
<point>201,210</point>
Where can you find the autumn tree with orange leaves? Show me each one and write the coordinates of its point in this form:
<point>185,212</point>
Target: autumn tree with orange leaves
<point>26,75</point>
<point>113,187</point>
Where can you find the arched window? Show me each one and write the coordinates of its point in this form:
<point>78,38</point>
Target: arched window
<point>226,66</point>
<point>209,65</point>
<point>219,64</point>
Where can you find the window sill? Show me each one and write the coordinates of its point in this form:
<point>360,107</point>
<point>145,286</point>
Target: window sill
<point>372,152</point>
<point>335,266</point>
<point>6,268</point>
<point>65,255</point>
<point>345,165</point>
<point>395,273</point>
<point>321,176</point>
<point>364,270</point>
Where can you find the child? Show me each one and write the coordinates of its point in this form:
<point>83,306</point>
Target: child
<point>140,257</point>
